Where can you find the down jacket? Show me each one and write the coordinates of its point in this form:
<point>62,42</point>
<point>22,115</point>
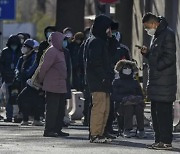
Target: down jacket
<point>162,84</point>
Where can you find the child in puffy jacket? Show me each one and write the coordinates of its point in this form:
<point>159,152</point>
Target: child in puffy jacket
<point>128,97</point>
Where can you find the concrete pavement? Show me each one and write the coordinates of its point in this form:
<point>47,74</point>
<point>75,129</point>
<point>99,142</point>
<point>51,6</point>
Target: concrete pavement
<point>15,139</point>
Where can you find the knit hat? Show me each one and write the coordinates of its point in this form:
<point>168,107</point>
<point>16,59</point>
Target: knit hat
<point>29,43</point>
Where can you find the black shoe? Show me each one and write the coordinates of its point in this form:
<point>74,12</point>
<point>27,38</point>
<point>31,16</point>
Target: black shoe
<point>18,120</point>
<point>62,134</point>
<point>163,146</point>
<point>113,132</point>
<point>8,120</point>
<point>109,136</point>
<point>50,134</point>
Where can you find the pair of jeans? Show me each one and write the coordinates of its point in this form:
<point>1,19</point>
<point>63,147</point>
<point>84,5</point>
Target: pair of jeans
<point>162,119</point>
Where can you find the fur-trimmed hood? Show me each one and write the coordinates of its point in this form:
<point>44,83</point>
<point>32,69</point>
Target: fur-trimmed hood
<point>119,65</point>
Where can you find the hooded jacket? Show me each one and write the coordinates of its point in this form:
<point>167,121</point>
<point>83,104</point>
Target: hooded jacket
<point>53,71</point>
<point>162,84</point>
<point>99,75</point>
<point>126,85</point>
<point>9,59</point>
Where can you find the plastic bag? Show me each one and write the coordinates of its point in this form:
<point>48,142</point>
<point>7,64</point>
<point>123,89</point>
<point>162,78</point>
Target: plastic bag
<point>176,113</point>
<point>5,94</point>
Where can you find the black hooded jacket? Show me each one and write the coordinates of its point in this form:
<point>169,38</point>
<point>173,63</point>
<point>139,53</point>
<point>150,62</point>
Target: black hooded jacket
<point>99,75</point>
<point>125,86</point>
<point>161,56</point>
<point>9,59</point>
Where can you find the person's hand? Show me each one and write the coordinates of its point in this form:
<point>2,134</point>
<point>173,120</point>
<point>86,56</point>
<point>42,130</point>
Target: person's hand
<point>144,49</point>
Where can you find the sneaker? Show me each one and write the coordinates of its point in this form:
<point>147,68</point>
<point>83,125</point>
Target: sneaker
<point>98,139</point>
<point>127,134</point>
<point>163,146</point>
<point>24,123</point>
<point>50,134</point>
<point>37,123</point>
<point>141,134</point>
<point>151,146</point>
<point>62,134</point>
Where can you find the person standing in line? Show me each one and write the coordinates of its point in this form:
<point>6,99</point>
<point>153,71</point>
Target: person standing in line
<point>52,76</point>
<point>99,77</point>
<point>162,83</point>
<point>8,61</point>
<point>74,48</point>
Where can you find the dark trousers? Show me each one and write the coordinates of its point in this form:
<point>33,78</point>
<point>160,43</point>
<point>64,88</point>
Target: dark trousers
<point>9,110</point>
<point>55,111</point>
<point>119,115</point>
<point>87,105</point>
<point>31,102</point>
<point>109,124</point>
<point>162,118</point>
<point>129,111</point>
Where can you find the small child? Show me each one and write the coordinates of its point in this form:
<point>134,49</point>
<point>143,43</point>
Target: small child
<point>128,96</point>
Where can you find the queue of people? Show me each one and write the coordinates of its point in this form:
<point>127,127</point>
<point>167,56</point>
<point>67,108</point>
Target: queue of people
<point>39,79</point>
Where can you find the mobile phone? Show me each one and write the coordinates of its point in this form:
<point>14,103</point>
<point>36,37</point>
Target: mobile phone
<point>138,46</point>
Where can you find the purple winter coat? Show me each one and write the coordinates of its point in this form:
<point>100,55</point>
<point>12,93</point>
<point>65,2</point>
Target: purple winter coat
<point>53,71</point>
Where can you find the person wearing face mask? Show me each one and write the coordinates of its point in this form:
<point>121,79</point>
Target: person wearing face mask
<point>68,32</point>
<point>51,74</point>
<point>122,51</point>
<point>23,71</point>
<point>45,44</point>
<point>25,66</point>
<point>69,35</point>
<point>117,51</point>
<point>84,86</point>
<point>8,61</point>
<point>66,120</point>
<point>74,49</point>
<point>99,76</point>
<point>162,84</point>
<point>128,98</point>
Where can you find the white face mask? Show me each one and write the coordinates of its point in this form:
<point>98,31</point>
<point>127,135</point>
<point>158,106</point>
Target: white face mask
<point>151,32</point>
<point>127,71</point>
<point>69,34</point>
<point>24,50</point>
